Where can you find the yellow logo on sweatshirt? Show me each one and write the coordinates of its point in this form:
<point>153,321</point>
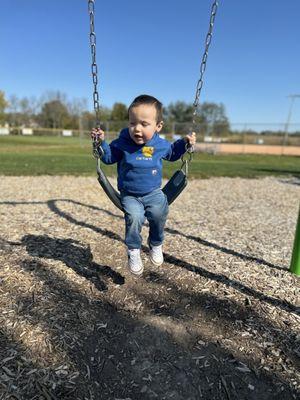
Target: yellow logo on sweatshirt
<point>148,151</point>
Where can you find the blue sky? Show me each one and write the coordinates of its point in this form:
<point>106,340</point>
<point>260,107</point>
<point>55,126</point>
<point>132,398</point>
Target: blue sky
<point>156,47</point>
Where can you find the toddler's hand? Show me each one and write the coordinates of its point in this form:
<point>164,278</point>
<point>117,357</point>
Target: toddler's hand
<point>191,139</point>
<point>97,134</point>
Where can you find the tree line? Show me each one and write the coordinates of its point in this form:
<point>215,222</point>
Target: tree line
<point>54,110</point>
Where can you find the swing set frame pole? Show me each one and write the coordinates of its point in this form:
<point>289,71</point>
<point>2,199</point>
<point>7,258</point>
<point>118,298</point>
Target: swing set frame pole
<point>295,262</point>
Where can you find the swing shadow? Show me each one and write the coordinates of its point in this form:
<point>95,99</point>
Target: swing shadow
<point>74,256</point>
<point>283,304</point>
<point>51,205</point>
<point>226,250</point>
<point>127,337</point>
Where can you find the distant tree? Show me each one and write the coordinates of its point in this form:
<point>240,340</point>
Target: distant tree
<point>52,95</point>
<point>34,104</point>
<point>26,110</point>
<point>214,117</point>
<point>12,114</point>
<point>24,105</point>
<point>212,112</point>
<point>179,117</point>
<point>54,114</point>
<point>209,117</point>
<point>180,112</point>
<point>89,119</point>
<point>3,106</point>
<point>76,108</point>
<point>22,111</point>
<point>13,104</point>
<point>119,112</point>
<point>105,114</point>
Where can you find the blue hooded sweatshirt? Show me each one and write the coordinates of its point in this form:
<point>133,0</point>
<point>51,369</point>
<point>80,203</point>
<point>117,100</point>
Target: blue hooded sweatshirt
<point>140,166</point>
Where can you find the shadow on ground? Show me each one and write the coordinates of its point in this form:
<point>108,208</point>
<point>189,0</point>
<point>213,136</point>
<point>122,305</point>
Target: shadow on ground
<point>119,354</point>
<point>163,351</point>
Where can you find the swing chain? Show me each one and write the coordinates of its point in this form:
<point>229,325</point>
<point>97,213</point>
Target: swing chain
<point>185,166</point>
<point>97,149</point>
<point>91,9</point>
<point>204,58</point>
<point>186,158</point>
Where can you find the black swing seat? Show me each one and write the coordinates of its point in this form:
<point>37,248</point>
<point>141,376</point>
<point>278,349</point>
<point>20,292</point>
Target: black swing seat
<point>172,189</point>
<point>175,185</point>
<point>110,191</point>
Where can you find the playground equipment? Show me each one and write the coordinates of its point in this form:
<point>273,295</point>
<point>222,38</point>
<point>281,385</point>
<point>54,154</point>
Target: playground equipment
<point>295,262</point>
<point>179,180</point>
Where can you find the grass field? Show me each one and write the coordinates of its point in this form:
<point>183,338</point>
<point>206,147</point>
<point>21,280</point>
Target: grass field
<point>72,156</point>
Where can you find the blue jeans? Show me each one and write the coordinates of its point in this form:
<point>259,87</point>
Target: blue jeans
<point>153,206</point>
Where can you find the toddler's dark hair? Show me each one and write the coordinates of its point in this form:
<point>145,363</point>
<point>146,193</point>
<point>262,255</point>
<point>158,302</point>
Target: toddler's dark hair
<point>146,99</point>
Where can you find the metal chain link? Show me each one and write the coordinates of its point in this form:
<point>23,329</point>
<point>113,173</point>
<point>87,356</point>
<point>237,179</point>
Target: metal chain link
<point>97,149</point>
<point>190,149</point>
<point>91,8</point>
<point>204,58</point>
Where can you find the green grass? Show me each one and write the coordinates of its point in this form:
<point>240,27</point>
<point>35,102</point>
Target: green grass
<point>72,156</point>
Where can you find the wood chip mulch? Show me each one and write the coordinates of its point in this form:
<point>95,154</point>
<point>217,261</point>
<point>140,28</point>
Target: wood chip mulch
<point>219,320</point>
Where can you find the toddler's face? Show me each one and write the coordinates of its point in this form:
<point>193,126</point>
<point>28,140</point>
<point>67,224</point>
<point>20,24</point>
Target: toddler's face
<point>143,123</point>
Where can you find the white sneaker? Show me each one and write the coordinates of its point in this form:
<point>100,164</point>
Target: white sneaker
<point>156,255</point>
<point>135,263</point>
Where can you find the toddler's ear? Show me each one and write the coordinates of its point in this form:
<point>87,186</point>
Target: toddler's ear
<point>159,126</point>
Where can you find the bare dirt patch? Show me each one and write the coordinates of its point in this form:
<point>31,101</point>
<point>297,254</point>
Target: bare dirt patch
<point>219,320</point>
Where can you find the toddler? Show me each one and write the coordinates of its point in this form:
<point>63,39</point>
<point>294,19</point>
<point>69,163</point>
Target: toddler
<point>139,151</point>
